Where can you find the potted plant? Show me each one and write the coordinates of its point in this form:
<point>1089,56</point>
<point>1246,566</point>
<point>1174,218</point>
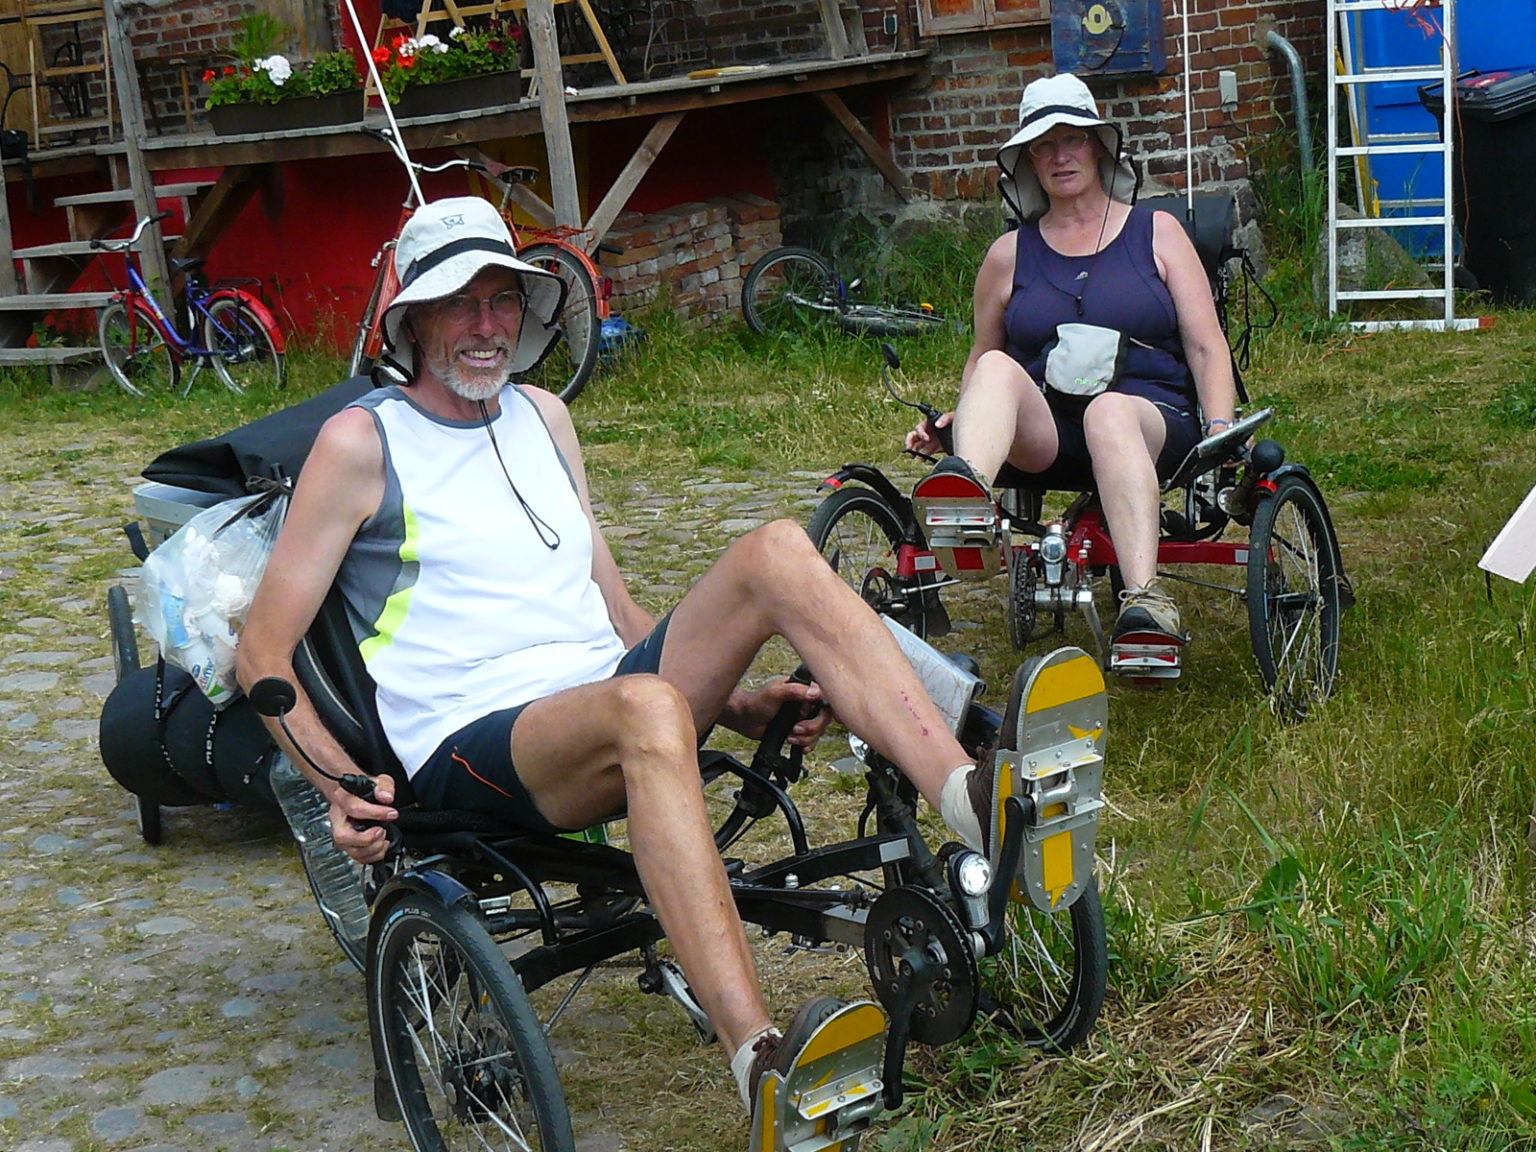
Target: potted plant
<point>473,67</point>
<point>262,91</point>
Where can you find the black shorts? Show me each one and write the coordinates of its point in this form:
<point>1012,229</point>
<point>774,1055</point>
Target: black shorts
<point>472,770</point>
<point>1073,467</point>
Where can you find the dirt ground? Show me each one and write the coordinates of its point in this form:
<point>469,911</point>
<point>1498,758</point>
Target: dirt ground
<point>186,996</point>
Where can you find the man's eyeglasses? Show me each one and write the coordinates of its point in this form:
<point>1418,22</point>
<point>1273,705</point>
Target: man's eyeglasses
<point>505,305</point>
<point>1066,142</point>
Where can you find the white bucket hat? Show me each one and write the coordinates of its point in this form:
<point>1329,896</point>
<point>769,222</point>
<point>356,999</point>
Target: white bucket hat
<point>443,246</point>
<point>1048,103</point>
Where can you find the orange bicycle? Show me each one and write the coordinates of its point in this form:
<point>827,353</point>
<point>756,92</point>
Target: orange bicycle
<point>569,364</point>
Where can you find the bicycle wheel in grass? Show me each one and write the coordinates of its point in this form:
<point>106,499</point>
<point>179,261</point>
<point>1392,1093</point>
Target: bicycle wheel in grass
<point>245,355</point>
<point>568,367</point>
<point>1049,980</point>
<point>463,1049</point>
<point>877,320</point>
<point>859,533</point>
<point>136,353</point>
<point>1293,597</point>
<point>788,290</point>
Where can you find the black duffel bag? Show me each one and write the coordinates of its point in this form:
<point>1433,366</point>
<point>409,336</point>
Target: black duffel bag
<point>164,741</point>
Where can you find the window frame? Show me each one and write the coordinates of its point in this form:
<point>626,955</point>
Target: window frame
<point>981,14</point>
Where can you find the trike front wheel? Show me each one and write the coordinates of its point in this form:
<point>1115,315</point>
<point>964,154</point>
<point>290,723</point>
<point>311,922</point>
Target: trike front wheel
<point>1293,596</point>
<point>463,1049</point>
<point>860,535</point>
<point>136,353</point>
<point>1049,979</point>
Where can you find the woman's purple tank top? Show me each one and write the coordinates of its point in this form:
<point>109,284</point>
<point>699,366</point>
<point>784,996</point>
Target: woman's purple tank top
<point>1117,288</point>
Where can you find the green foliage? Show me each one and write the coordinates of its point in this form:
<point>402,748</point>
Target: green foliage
<point>1516,403</point>
<point>259,74</point>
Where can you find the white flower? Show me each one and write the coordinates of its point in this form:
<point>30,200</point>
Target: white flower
<point>277,67</point>
<point>430,40</point>
<point>439,47</point>
<point>458,30</point>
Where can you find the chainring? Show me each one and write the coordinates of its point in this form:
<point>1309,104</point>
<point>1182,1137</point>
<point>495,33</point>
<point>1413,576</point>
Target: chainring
<point>914,942</point>
<point>1021,598</point>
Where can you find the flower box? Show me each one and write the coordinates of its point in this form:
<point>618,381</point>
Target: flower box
<point>465,94</point>
<point>285,115</point>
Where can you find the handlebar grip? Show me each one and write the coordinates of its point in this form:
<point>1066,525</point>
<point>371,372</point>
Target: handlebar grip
<point>771,759</point>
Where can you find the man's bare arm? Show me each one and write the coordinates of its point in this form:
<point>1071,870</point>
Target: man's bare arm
<point>341,486</point>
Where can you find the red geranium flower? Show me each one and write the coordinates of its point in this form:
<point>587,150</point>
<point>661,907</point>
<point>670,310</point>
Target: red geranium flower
<point>381,54</point>
<point>209,75</point>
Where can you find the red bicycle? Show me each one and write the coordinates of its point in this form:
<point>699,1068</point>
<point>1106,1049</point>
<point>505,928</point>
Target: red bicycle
<point>569,364</point>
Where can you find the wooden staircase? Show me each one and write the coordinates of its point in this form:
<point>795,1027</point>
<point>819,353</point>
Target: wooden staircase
<point>42,278</point>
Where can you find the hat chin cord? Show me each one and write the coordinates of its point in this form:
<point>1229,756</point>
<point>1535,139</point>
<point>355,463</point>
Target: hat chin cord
<point>546,532</point>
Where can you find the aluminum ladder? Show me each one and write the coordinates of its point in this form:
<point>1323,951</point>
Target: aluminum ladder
<point>1349,78</point>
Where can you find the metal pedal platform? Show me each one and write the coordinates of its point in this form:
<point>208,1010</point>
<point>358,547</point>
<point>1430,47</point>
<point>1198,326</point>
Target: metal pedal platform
<point>961,528</point>
<point>1147,657</point>
<point>1058,719</point>
<point>834,1091</point>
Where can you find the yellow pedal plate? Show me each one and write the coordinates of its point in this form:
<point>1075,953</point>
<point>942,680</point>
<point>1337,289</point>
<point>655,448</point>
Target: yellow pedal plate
<point>1061,713</point>
<point>833,1092</point>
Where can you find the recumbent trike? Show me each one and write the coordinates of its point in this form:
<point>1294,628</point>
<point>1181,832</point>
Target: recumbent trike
<point>884,545</point>
<point>465,921</point>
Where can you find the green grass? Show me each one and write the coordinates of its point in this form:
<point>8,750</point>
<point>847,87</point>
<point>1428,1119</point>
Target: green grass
<point>1321,933</point>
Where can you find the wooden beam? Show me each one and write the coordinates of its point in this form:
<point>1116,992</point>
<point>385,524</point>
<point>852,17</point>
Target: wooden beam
<point>639,164</point>
<point>557,126</point>
<point>219,208</point>
<point>131,109</point>
<point>9,284</point>
<point>878,156</point>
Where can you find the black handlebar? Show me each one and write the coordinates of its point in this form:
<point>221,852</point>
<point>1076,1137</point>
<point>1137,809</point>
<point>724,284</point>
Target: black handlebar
<point>770,759</point>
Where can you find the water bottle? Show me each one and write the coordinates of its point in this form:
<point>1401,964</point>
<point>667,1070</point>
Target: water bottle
<point>336,878</point>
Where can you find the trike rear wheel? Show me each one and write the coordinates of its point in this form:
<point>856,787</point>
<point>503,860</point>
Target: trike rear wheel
<point>461,1044</point>
<point>1293,597</point>
<point>860,534</point>
<point>1049,979</point>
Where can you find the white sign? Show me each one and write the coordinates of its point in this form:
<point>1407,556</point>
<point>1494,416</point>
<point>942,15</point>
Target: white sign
<point>1512,554</point>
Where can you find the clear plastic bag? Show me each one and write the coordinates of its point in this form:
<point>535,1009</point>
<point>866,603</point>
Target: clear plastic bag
<point>197,588</point>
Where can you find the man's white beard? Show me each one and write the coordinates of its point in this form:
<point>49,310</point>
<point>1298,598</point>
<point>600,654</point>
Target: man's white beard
<point>476,390</point>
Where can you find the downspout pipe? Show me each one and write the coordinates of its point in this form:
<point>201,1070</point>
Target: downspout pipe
<point>1299,90</point>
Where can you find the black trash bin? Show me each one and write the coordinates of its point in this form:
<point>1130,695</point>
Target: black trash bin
<point>1495,178</point>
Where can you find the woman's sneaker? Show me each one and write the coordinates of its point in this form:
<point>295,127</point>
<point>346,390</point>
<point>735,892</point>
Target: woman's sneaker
<point>1148,635</point>
<point>959,519</point>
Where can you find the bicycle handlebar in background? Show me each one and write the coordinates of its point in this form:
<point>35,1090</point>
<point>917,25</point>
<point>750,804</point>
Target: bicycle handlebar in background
<point>125,245</point>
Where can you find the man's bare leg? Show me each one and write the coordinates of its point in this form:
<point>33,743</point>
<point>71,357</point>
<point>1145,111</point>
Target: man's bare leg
<point>773,582</point>
<point>585,753</point>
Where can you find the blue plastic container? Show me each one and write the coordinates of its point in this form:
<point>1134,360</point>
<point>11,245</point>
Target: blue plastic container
<point>1491,35</point>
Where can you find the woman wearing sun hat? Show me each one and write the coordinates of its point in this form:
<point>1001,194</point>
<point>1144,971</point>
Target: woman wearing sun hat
<point>1096,341</point>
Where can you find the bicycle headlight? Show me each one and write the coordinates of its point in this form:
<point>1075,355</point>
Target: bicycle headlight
<point>973,874</point>
<point>1053,548</point>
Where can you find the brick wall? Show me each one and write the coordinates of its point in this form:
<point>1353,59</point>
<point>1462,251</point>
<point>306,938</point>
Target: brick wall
<point>692,256</point>
<point>947,127</point>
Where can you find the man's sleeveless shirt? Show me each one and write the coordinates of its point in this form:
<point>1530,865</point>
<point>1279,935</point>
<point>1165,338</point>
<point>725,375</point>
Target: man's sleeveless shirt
<point>457,605</point>
<point>1117,288</point>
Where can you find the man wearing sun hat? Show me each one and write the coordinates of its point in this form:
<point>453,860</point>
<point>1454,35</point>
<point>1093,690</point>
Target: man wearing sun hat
<point>1096,345</point>
<point>515,673</point>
